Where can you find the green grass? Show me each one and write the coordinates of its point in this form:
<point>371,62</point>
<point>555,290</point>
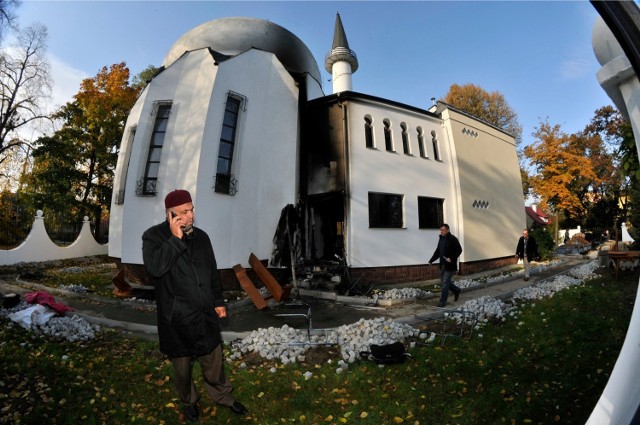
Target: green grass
<point>548,365</point>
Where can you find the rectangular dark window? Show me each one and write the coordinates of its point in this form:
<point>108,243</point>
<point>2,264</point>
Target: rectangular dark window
<point>385,210</point>
<point>150,178</point>
<point>227,144</point>
<point>430,212</point>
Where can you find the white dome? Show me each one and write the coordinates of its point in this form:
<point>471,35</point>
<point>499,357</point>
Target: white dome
<point>605,45</point>
<point>232,36</point>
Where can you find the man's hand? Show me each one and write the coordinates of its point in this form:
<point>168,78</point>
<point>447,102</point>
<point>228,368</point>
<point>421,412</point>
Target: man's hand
<point>221,312</point>
<point>175,224</point>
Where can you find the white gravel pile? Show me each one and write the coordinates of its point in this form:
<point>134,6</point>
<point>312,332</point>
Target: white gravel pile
<point>79,289</point>
<point>359,336</point>
<point>404,293</point>
<point>546,289</point>
<point>288,345</point>
<point>483,309</point>
<point>466,283</point>
<point>487,308</point>
<point>585,271</point>
<point>69,328</point>
<point>72,329</point>
<point>574,277</point>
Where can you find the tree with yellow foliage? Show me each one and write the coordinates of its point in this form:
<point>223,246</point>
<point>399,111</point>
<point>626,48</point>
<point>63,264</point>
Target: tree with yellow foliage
<point>73,168</point>
<point>564,175</point>
<point>490,107</point>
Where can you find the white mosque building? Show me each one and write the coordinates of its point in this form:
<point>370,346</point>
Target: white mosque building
<point>237,116</point>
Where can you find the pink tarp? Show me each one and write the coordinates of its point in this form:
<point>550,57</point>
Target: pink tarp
<point>46,299</point>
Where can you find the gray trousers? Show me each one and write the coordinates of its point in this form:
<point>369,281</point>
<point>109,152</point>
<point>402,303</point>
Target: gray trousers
<point>216,383</point>
<point>527,267</point>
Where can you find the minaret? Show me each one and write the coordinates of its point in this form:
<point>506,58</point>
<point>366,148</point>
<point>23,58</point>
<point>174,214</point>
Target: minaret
<point>341,62</point>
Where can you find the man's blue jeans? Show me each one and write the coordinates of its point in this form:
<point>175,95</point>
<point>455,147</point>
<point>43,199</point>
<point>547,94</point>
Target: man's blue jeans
<point>447,284</point>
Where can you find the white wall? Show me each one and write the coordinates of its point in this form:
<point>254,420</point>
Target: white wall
<point>488,174</point>
<point>376,170</point>
<point>265,159</point>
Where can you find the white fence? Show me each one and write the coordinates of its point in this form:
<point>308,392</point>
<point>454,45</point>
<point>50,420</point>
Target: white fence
<point>39,247</point>
<point>624,234</point>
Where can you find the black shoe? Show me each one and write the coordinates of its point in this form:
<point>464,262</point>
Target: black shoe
<point>526,278</point>
<point>238,408</point>
<point>456,294</point>
<point>441,304</point>
<point>191,412</point>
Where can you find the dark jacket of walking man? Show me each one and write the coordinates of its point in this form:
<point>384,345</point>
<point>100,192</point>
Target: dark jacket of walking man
<point>179,258</point>
<point>447,251</point>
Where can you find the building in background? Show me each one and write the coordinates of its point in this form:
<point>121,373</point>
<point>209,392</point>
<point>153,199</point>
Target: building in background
<point>237,116</point>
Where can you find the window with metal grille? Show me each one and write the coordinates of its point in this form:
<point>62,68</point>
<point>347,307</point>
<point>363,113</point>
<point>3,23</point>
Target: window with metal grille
<point>430,212</point>
<point>150,178</point>
<point>385,210</point>
<point>224,178</point>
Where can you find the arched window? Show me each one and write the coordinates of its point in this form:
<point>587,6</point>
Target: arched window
<point>436,151</point>
<point>405,139</point>
<point>368,131</point>
<point>421,146</point>
<point>388,142</point>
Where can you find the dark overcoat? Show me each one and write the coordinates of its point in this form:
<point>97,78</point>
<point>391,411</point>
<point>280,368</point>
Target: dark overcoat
<point>187,285</point>
<point>532,248</point>
<point>452,250</point>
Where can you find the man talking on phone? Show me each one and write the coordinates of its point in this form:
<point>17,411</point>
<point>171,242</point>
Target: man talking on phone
<point>179,258</point>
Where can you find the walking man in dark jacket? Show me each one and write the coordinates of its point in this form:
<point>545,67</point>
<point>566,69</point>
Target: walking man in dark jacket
<point>447,251</point>
<point>179,258</point>
<point>526,249</point>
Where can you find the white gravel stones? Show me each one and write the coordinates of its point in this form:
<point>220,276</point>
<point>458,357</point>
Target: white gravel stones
<point>483,309</point>
<point>466,283</point>
<point>78,289</point>
<point>287,344</point>
<point>574,277</point>
<point>403,293</point>
<point>70,328</point>
<point>585,271</point>
<point>486,308</point>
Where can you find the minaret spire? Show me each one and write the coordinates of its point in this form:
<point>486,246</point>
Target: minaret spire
<point>341,62</point>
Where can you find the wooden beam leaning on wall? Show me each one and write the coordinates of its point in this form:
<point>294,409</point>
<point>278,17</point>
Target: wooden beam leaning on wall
<point>248,286</point>
<point>279,292</point>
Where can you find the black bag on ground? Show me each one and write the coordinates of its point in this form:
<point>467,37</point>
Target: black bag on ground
<point>386,354</point>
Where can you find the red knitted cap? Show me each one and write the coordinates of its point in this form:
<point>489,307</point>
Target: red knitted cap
<point>177,197</point>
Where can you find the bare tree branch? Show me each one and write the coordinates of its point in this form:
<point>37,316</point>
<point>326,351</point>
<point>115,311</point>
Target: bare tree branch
<point>25,84</point>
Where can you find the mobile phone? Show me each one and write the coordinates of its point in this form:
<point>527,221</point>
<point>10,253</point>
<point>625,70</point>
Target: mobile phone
<point>173,214</point>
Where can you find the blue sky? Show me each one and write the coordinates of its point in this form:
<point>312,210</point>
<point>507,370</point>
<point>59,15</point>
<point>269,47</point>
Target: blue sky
<point>538,54</point>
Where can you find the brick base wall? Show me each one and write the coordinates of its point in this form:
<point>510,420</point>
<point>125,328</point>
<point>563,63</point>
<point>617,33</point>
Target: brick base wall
<point>135,273</point>
<point>383,275</point>
<point>400,274</point>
